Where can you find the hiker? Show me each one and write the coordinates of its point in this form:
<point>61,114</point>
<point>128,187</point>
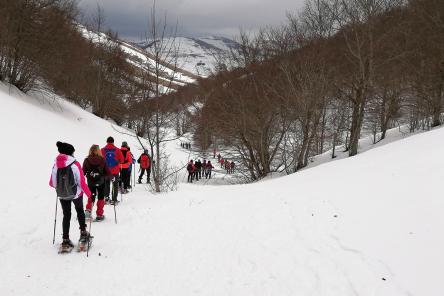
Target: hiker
<point>221,161</point>
<point>204,167</point>
<point>198,166</point>
<point>208,170</point>
<point>130,169</point>
<point>124,168</point>
<point>232,166</point>
<point>68,180</point>
<point>219,157</point>
<point>227,166</point>
<point>113,157</point>
<point>95,170</point>
<point>190,169</point>
<point>214,153</point>
<point>145,166</point>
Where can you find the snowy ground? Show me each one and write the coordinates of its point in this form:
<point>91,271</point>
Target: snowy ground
<point>367,225</point>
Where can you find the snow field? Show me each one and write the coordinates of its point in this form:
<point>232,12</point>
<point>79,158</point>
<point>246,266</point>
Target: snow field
<point>367,225</point>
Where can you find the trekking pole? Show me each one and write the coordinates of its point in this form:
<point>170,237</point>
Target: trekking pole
<point>131,180</point>
<point>89,238</point>
<point>115,215</point>
<point>55,220</point>
<point>134,178</point>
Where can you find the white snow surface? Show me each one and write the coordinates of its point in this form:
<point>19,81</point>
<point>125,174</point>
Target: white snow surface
<point>367,225</point>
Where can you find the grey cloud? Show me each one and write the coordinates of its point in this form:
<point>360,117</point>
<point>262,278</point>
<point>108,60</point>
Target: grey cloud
<point>195,17</point>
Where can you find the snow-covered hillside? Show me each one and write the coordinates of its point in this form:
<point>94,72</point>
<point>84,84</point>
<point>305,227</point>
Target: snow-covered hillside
<point>368,225</point>
<point>198,55</point>
<point>172,76</point>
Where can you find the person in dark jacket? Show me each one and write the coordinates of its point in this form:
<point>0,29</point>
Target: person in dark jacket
<point>145,166</point>
<point>198,172</point>
<point>95,170</point>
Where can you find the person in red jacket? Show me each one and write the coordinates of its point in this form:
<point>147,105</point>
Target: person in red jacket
<point>124,167</point>
<point>113,157</point>
<point>191,169</point>
<point>145,165</point>
<point>95,170</point>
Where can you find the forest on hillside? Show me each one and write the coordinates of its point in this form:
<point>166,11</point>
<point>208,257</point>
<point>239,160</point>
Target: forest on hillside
<point>338,69</point>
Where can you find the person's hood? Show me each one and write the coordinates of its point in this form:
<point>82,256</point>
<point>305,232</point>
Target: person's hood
<point>110,146</point>
<point>63,160</point>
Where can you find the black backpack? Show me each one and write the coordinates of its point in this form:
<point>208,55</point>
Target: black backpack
<point>66,184</point>
<point>95,176</point>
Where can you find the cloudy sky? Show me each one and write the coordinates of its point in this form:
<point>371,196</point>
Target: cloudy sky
<point>195,17</point>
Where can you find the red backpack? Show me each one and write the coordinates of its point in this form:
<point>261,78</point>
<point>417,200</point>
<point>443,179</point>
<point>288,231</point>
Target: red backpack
<point>144,161</point>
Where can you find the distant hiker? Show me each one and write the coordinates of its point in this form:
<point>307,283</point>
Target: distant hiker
<point>198,166</point>
<point>208,169</point>
<point>232,167</point>
<point>227,166</point>
<point>204,167</point>
<point>218,158</point>
<point>68,180</point>
<point>124,167</point>
<point>221,161</point>
<point>95,170</point>
<point>214,153</point>
<point>145,166</point>
<point>131,167</point>
<point>190,168</point>
<point>113,157</point>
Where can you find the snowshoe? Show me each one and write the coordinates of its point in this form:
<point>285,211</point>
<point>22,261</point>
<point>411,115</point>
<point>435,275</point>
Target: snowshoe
<point>84,241</point>
<point>66,246</point>
<point>99,218</point>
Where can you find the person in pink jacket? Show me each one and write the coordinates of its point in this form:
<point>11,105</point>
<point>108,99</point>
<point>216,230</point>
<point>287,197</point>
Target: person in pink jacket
<point>69,181</point>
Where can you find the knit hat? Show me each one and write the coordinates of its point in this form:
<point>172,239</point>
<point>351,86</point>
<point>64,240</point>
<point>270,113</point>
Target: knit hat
<point>110,140</point>
<point>125,144</point>
<point>65,148</point>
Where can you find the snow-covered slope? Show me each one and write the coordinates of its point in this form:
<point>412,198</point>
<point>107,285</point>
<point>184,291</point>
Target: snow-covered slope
<point>368,225</point>
<point>172,76</point>
<point>198,55</point>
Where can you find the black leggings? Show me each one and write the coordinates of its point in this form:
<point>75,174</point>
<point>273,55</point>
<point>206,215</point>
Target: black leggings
<point>66,206</point>
<point>97,191</point>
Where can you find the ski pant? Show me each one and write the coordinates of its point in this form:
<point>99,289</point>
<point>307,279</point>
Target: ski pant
<point>208,174</point>
<point>148,173</point>
<point>190,177</point>
<point>125,177</point>
<point>66,207</point>
<point>99,192</point>
<point>115,187</point>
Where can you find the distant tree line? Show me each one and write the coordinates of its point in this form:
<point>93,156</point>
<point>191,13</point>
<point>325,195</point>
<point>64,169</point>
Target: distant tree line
<point>337,70</point>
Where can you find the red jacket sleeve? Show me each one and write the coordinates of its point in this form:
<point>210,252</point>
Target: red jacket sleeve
<point>119,156</point>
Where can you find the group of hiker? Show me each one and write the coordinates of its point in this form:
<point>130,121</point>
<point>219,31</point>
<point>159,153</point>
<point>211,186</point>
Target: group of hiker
<point>197,170</point>
<point>107,171</point>
<point>185,145</point>
<point>226,164</point>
